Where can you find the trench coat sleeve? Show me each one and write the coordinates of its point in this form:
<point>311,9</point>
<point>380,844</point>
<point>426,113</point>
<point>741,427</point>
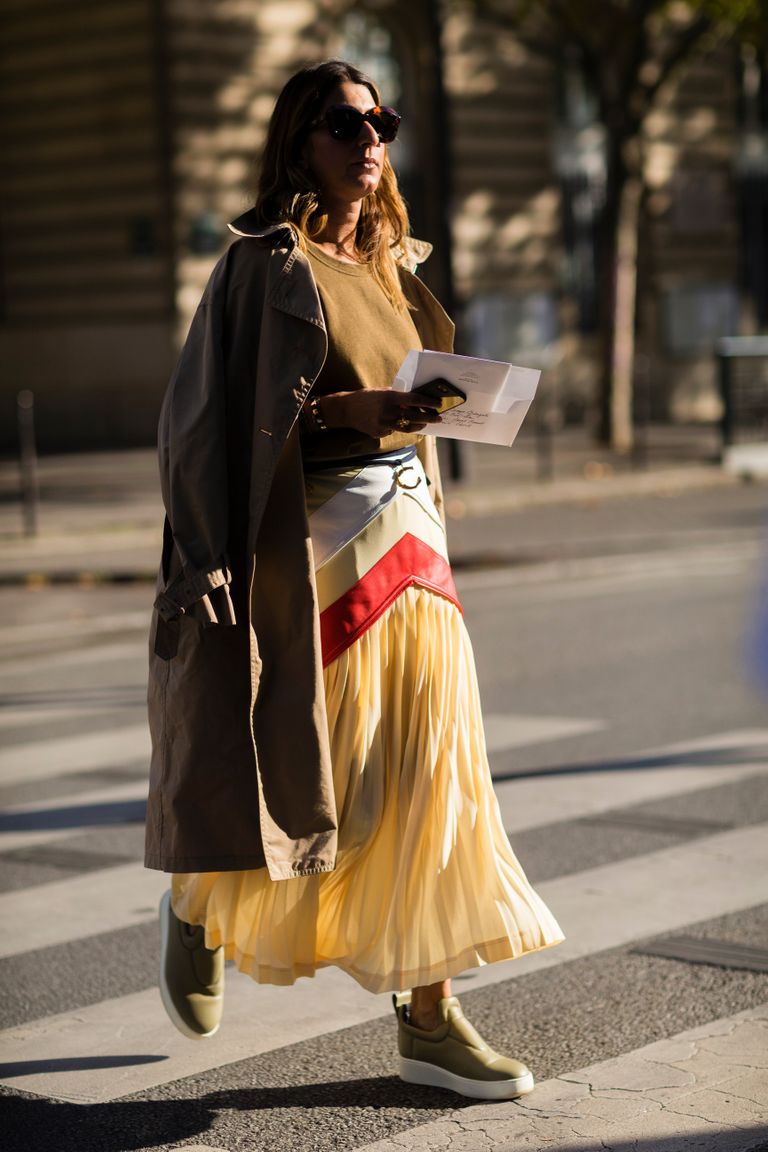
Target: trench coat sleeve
<point>192,450</point>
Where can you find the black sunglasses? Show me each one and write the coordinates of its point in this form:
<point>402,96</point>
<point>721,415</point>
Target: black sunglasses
<point>345,122</point>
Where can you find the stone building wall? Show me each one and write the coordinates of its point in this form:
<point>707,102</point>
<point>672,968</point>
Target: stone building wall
<point>130,131</point>
<point>87,269</point>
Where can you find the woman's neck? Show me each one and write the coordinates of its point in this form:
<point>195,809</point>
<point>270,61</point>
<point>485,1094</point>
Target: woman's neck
<point>338,236</point>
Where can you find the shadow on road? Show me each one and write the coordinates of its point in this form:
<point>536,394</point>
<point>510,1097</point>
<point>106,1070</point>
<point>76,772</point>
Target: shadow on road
<point>690,758</point>
<point>72,1064</point>
<point>74,816</point>
<point>36,1125</point>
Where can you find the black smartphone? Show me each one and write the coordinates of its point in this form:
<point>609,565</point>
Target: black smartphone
<point>448,394</point>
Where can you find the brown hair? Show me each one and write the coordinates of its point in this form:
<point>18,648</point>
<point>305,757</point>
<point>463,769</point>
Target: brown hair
<point>286,193</point>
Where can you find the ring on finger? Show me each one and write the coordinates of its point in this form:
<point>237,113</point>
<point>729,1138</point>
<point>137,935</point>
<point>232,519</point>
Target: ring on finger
<point>403,423</point>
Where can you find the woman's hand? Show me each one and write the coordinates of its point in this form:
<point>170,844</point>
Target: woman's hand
<point>379,412</point>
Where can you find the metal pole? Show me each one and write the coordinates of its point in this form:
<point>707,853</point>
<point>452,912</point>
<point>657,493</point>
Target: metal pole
<point>726,395</point>
<point>30,489</point>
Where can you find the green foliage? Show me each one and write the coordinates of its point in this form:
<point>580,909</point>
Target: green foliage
<point>629,48</point>
<point>598,21</point>
<point>745,19</point>
<point>733,11</point>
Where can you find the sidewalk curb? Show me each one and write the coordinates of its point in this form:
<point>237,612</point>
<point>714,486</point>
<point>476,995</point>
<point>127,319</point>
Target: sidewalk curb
<point>488,501</point>
<point>39,579</point>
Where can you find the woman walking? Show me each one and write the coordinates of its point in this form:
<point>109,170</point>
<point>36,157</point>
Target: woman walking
<point>320,786</point>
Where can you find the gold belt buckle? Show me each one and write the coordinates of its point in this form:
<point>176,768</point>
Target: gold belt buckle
<point>399,474</point>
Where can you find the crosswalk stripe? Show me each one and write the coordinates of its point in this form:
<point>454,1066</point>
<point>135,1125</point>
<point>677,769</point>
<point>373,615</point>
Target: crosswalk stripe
<point>257,1018</point>
<point>600,908</point>
<point>551,797</point>
<point>68,816</point>
<point>32,631</point>
<point>525,803</point>
<point>73,658</point>
<point>40,760</point>
<point>59,756</point>
<point>516,731</point>
<point>80,906</point>
<point>64,754</point>
<point>583,576</point>
<point>614,904</point>
<point>44,715</point>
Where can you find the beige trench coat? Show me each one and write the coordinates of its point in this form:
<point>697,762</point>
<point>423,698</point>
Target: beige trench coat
<point>240,773</point>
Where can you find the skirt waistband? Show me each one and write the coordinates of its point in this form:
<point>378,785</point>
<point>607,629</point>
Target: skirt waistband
<point>356,463</point>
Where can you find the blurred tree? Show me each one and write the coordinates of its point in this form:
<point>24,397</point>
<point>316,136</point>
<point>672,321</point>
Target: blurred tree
<point>628,50</point>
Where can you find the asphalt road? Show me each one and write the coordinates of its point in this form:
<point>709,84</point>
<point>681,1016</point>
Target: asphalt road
<point>609,639</point>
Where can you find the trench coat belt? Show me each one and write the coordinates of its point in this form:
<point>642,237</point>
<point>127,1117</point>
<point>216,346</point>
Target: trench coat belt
<point>187,588</point>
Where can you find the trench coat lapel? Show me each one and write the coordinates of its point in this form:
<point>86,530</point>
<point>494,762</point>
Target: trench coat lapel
<point>290,289</point>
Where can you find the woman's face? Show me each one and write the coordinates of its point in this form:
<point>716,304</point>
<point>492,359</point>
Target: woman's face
<point>346,170</point>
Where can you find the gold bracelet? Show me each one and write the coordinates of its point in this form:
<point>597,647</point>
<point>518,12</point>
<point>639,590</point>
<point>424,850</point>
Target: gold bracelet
<point>316,414</point>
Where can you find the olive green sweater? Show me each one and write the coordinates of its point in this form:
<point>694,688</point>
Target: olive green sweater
<point>367,342</point>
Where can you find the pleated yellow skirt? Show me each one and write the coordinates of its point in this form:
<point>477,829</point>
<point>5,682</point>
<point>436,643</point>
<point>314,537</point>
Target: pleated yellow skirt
<point>426,884</point>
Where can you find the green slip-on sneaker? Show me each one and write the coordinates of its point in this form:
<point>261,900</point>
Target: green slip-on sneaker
<point>455,1056</point>
<point>191,975</point>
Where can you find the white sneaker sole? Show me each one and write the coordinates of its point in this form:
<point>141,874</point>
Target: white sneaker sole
<point>418,1072</point>
<point>173,1015</point>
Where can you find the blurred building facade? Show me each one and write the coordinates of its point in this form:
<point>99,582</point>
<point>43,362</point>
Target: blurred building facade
<point>130,132</point>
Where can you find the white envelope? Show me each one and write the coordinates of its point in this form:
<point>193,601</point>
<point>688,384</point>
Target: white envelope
<point>498,394</point>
